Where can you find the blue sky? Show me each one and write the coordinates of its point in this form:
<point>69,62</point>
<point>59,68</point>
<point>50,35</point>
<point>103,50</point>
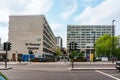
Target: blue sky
<point>60,13</point>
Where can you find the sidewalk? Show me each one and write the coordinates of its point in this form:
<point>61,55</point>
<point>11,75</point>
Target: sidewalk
<point>97,62</point>
<point>60,65</point>
<point>92,66</point>
<point>2,63</point>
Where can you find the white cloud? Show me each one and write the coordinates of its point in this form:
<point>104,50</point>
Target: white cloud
<point>70,10</point>
<point>38,7</point>
<point>60,30</point>
<point>102,14</point>
<point>56,26</point>
<point>64,38</point>
<point>88,1</point>
<point>17,7</point>
<point>3,34</point>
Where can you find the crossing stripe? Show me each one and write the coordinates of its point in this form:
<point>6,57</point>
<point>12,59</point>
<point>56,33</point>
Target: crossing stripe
<point>107,75</point>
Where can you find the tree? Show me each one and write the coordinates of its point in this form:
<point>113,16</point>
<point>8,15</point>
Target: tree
<point>73,54</point>
<point>80,55</point>
<point>118,47</point>
<point>104,46</point>
<point>57,52</point>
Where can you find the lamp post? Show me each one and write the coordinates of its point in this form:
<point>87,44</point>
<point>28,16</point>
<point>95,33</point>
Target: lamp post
<point>113,34</point>
<point>93,45</point>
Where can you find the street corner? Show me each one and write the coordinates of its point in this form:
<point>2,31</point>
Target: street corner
<point>3,68</point>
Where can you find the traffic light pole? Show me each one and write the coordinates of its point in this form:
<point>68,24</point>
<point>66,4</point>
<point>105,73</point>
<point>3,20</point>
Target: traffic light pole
<point>6,59</point>
<point>73,46</point>
<point>6,54</point>
<point>94,48</point>
<point>113,31</point>
<point>7,47</point>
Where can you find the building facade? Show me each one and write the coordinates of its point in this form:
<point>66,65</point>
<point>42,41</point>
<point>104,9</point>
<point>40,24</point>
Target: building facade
<point>0,43</point>
<point>2,53</point>
<point>86,35</point>
<point>59,42</point>
<point>30,33</point>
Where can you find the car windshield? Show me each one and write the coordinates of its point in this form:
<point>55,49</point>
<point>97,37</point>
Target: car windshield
<point>2,78</point>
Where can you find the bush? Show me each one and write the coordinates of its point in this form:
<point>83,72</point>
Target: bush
<point>42,60</point>
<point>79,60</point>
<point>37,60</point>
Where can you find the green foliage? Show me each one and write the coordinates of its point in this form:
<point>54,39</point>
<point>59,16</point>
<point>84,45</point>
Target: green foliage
<point>76,55</point>
<point>73,54</point>
<point>118,47</point>
<point>104,46</point>
<point>57,52</point>
<point>118,52</point>
<point>80,55</point>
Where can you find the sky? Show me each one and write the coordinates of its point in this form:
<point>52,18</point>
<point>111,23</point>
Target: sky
<point>60,13</point>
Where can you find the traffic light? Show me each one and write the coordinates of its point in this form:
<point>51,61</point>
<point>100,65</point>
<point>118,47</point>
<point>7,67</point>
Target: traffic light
<point>73,46</point>
<point>7,46</point>
<point>70,47</point>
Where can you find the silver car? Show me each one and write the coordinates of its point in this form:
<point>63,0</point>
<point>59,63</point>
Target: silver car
<point>118,65</point>
<point>3,77</point>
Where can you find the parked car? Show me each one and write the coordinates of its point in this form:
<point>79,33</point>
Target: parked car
<point>3,77</point>
<point>118,65</point>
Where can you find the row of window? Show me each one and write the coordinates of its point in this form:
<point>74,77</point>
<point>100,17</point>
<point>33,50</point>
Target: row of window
<point>89,29</point>
<point>83,47</point>
<point>48,34</point>
<point>84,35</point>
<point>89,26</point>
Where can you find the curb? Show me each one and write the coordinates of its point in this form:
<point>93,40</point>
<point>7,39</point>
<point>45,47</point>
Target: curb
<point>78,69</point>
<point>6,68</point>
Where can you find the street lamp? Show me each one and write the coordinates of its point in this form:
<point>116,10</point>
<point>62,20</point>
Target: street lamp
<point>113,34</point>
<point>93,45</point>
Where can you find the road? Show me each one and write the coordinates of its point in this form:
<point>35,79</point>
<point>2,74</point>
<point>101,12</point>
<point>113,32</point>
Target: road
<point>55,71</point>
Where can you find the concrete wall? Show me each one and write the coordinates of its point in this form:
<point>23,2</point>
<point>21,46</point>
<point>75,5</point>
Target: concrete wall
<point>26,32</point>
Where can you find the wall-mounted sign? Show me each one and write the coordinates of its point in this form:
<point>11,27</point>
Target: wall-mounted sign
<point>32,46</point>
<point>38,39</point>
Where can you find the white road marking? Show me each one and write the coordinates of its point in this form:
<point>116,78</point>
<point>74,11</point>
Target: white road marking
<point>74,77</point>
<point>107,75</point>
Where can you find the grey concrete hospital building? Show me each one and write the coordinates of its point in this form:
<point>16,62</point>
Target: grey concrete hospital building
<point>30,32</point>
<point>85,35</point>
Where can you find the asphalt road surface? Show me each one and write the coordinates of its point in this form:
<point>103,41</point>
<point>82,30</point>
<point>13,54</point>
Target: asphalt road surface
<point>57,72</point>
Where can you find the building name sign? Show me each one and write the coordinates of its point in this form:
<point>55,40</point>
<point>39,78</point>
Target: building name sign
<point>32,46</point>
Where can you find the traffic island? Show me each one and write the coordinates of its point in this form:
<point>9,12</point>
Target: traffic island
<point>3,68</point>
